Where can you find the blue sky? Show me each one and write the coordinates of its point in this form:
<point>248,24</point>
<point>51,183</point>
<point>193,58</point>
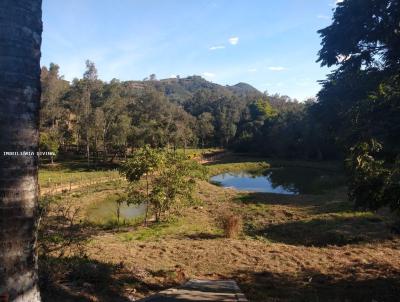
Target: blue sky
<point>270,44</point>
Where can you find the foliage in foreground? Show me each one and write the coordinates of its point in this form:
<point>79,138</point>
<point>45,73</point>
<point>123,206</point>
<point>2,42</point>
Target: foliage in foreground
<point>372,183</point>
<point>360,100</point>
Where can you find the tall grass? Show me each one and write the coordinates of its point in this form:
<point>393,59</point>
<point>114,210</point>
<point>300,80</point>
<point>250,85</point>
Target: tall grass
<point>232,225</point>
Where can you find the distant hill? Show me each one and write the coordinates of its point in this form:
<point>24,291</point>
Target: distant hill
<point>180,90</point>
<point>244,89</point>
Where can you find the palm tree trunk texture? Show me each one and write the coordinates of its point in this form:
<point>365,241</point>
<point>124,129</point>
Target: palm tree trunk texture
<point>20,40</point>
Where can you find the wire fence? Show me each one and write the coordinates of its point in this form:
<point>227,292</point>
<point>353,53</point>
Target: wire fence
<point>68,185</point>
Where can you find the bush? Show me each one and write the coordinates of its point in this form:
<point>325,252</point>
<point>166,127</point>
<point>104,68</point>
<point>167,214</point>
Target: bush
<point>373,183</point>
<point>232,225</point>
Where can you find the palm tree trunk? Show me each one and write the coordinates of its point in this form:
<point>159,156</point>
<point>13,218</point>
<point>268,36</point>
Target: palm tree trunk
<point>20,40</point>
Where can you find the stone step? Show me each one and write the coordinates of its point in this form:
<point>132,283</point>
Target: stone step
<point>200,290</point>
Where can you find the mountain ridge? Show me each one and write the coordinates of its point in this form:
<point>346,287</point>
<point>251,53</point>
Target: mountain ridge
<point>181,89</point>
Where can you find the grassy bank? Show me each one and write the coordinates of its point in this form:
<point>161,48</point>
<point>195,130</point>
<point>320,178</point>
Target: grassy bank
<point>234,167</point>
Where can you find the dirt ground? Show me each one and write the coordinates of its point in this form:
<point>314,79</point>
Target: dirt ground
<point>293,248</point>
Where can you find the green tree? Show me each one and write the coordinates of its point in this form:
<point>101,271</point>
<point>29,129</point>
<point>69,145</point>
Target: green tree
<point>205,127</point>
<point>372,35</point>
<point>84,97</point>
<point>372,184</point>
<point>175,183</point>
<point>99,125</point>
<point>49,143</point>
<point>114,105</point>
<point>227,112</point>
<point>53,89</point>
<point>262,109</point>
<point>144,162</point>
<point>362,95</point>
<point>169,179</point>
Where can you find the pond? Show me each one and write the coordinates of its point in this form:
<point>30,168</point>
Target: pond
<point>107,209</point>
<point>282,180</point>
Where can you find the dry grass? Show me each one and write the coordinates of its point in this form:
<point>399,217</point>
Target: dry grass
<point>293,248</point>
<point>232,225</point>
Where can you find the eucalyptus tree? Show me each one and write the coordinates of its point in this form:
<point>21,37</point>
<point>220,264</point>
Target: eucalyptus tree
<point>20,40</point>
<point>89,84</point>
<point>205,127</point>
<point>53,89</point>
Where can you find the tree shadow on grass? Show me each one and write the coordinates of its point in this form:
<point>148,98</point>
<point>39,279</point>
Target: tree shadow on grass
<point>204,236</point>
<point>79,165</point>
<point>82,279</point>
<point>334,230</point>
<point>311,285</point>
<point>312,204</point>
<point>276,199</point>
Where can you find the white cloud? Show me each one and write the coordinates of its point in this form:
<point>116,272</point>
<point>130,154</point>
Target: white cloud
<point>217,47</point>
<point>234,40</point>
<point>208,74</point>
<point>276,68</point>
<point>323,17</point>
<point>336,2</point>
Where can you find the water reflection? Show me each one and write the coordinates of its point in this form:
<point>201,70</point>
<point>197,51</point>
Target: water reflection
<point>284,180</point>
<point>107,209</point>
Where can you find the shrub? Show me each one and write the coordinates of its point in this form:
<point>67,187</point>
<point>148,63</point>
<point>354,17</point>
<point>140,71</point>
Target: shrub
<point>373,183</point>
<point>232,225</point>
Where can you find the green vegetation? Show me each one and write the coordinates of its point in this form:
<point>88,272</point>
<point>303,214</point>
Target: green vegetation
<point>216,169</point>
<point>169,177</point>
<point>373,185</point>
<point>49,143</point>
<point>360,100</point>
<point>197,153</point>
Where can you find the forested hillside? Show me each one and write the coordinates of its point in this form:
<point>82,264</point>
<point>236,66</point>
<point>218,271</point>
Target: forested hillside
<point>356,115</point>
<point>101,118</point>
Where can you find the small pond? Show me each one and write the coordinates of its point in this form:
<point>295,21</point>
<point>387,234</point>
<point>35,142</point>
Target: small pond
<point>283,180</point>
<point>107,209</point>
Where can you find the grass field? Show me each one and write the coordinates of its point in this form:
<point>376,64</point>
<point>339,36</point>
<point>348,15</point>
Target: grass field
<point>292,247</point>
<point>73,172</point>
